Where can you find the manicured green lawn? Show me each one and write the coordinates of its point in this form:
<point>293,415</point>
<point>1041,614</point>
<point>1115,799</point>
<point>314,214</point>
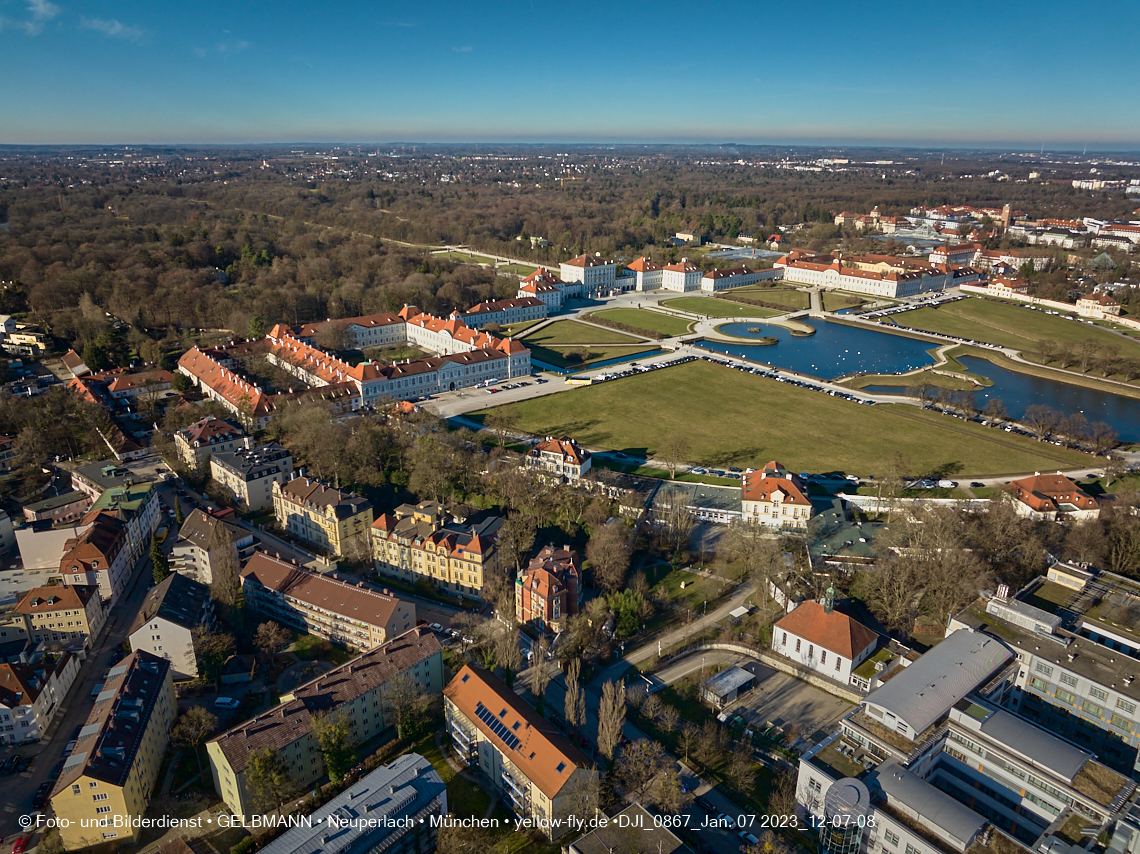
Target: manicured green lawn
<point>654,321</point>
<point>731,418</point>
<point>833,301</point>
<point>793,299</point>
<point>518,328</point>
<point>557,356</point>
<point>714,307</point>
<point>572,332</point>
<point>1009,325</point>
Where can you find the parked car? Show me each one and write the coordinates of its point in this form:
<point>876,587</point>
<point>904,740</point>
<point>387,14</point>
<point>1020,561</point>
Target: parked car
<point>748,838</point>
<point>436,627</point>
<point>226,703</point>
<point>41,796</point>
<point>70,747</point>
<point>21,844</point>
<point>705,804</point>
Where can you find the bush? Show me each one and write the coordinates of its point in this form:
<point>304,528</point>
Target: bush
<point>244,847</point>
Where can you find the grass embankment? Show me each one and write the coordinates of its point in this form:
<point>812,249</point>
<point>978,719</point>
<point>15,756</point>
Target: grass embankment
<point>583,357</point>
<point>652,321</point>
<point>572,332</point>
<point>1038,370</point>
<point>1007,325</point>
<point>949,374</point>
<point>518,328</point>
<point>732,418</point>
<point>833,301</point>
<point>793,299</point>
<point>714,307</point>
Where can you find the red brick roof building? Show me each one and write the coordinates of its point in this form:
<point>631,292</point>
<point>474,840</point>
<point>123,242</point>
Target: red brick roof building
<point>1051,496</point>
<point>822,639</point>
<point>562,458</point>
<point>549,591</point>
<point>774,497</point>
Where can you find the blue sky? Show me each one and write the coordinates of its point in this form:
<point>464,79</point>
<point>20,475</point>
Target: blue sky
<point>914,73</point>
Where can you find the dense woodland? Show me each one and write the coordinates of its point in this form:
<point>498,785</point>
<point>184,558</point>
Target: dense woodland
<point>190,240</point>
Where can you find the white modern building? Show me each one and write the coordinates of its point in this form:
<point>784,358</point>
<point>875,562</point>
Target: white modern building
<point>172,612</point>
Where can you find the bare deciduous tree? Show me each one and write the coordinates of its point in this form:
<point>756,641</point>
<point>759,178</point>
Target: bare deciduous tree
<point>608,553</point>
<point>611,716</point>
<point>574,705</point>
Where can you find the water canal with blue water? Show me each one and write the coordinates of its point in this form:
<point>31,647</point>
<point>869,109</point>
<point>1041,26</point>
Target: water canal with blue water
<point>837,350</point>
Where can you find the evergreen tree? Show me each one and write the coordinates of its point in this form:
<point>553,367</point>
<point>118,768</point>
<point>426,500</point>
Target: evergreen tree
<point>160,565</point>
<point>178,517</point>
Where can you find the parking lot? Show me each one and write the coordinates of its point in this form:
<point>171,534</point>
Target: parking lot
<point>776,697</point>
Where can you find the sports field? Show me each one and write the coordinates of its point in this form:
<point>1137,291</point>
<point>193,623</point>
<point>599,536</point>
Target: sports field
<point>714,307</point>
<point>1009,326</point>
<point>733,418</point>
<point>572,332</point>
<point>654,321</point>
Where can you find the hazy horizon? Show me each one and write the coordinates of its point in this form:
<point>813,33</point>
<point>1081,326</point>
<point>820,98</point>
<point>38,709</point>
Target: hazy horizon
<point>124,72</point>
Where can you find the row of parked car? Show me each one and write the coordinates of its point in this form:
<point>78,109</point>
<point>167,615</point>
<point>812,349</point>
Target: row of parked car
<point>931,303</point>
<point>635,368</point>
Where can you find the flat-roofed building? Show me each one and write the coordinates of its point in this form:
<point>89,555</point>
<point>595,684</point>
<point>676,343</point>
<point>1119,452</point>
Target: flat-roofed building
<point>96,478</point>
<point>172,612</point>
<point>248,474</point>
<point>330,519</point>
<point>321,605</point>
<point>59,508</point>
<point>63,613</point>
<point>1078,646</point>
<point>723,688</point>
<point>114,766</point>
<point>395,808</point>
<point>356,689</point>
<point>529,763</point>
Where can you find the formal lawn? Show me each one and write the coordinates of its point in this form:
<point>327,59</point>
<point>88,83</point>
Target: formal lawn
<point>1009,325</point>
<point>654,321</point>
<point>572,332</point>
<point>518,328</point>
<point>714,307</point>
<point>833,301</point>
<point>732,418</point>
<point>793,299</point>
<point>567,357</point>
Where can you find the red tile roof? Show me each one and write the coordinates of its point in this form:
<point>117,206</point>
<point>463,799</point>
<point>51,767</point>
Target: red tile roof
<point>1046,493</point>
<point>835,631</point>
<point>541,751</point>
<point>763,484</point>
<point>587,261</point>
<point>644,265</point>
<point>133,381</point>
<point>568,448</point>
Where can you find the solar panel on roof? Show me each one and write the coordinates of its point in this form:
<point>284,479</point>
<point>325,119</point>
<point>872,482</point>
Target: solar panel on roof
<point>497,727</point>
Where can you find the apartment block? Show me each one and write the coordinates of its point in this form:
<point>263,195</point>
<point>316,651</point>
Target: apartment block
<point>63,613</point>
<point>358,690</point>
<point>424,541</point>
<point>248,474</point>
<point>322,605</point>
<point>548,591</point>
<point>205,540</point>
<point>114,766</point>
<point>528,762</point>
<point>173,610</point>
<point>31,694</point>
<point>197,442</point>
<point>396,809</point>
<point>1077,643</point>
<point>328,518</point>
<point>931,762</point>
<point>99,557</point>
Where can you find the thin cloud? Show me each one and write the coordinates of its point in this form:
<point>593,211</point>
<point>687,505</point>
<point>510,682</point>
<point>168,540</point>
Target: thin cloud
<point>40,12</point>
<point>223,48</point>
<point>112,29</point>
<point>464,49</point>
